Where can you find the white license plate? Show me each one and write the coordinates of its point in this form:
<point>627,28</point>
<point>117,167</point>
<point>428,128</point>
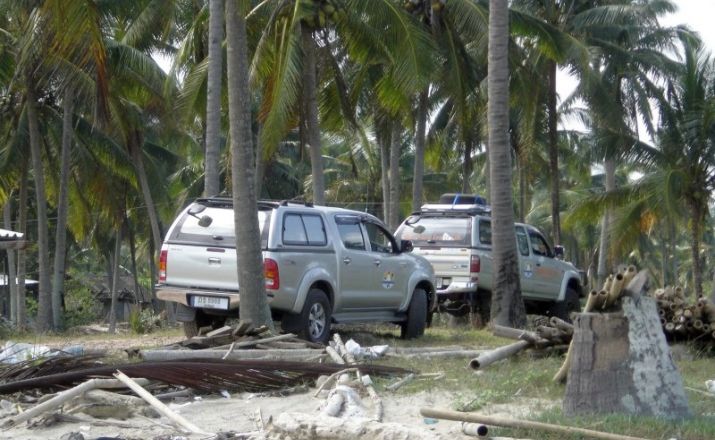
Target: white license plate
<point>209,302</point>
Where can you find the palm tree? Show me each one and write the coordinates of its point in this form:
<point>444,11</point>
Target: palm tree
<point>254,305</point>
<point>507,305</point>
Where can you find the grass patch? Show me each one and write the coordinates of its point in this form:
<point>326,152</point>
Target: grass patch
<point>524,382</point>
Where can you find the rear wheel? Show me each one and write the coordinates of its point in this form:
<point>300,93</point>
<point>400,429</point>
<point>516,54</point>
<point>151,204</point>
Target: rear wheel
<point>313,323</point>
<point>414,327</point>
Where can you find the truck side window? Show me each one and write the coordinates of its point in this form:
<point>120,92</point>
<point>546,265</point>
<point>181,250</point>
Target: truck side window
<point>379,241</point>
<point>539,245</point>
<point>351,235</point>
<point>303,230</point>
<point>522,242</point>
<point>485,232</point>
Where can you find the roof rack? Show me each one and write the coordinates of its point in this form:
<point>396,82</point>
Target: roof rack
<point>458,204</point>
<point>296,202</point>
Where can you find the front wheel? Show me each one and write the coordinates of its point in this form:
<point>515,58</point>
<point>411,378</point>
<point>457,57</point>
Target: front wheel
<point>414,327</point>
<point>571,303</point>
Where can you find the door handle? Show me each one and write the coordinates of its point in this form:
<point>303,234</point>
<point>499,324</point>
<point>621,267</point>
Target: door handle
<point>377,262</point>
<point>214,260</point>
<point>347,260</point>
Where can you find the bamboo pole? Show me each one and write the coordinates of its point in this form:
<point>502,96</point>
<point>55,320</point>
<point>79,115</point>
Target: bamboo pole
<point>164,410</point>
<point>500,353</point>
<point>277,354</point>
<point>519,424</point>
<point>614,292</point>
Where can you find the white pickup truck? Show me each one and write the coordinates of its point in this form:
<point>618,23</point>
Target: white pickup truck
<point>455,237</point>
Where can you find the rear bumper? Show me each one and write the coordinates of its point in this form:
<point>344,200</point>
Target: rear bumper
<point>181,295</point>
<point>457,287</point>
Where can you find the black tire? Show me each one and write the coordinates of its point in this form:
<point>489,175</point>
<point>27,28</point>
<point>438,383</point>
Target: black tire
<point>414,327</point>
<point>571,303</point>
<point>313,323</point>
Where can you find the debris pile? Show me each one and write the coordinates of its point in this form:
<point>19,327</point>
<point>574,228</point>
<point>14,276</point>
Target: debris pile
<point>242,341</point>
<point>681,320</point>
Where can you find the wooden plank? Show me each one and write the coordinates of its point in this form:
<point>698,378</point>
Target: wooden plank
<point>242,327</point>
<point>225,330</point>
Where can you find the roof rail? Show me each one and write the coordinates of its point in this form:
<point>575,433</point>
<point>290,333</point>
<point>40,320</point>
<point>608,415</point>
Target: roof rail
<point>440,208</point>
<point>296,201</point>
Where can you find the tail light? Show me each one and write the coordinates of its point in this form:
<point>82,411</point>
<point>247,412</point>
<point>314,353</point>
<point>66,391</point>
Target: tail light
<point>270,272</point>
<point>475,264</point>
<point>162,265</point>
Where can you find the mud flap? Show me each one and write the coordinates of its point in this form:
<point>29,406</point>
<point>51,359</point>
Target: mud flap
<point>184,313</point>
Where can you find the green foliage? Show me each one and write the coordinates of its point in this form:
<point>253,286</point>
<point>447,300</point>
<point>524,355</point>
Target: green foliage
<point>81,308</point>
<point>142,321</point>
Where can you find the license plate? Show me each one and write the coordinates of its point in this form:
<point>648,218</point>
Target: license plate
<point>209,302</point>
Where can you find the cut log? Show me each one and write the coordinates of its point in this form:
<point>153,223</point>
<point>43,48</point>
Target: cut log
<point>518,335</point>
<point>562,325</point>
<point>621,363</point>
<point>168,355</point>
<point>498,354</point>
<point>242,327</point>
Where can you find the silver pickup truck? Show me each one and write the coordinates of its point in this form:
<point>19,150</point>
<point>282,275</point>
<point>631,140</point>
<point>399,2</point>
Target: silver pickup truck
<point>456,239</point>
<point>322,265</point>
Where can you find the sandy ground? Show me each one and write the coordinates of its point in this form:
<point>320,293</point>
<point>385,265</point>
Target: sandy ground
<point>238,414</point>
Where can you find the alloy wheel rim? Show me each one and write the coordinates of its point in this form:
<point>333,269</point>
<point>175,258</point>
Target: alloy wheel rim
<point>316,321</point>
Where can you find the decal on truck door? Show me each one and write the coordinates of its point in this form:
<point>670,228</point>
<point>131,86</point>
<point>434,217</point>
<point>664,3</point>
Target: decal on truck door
<point>528,272</point>
<point>388,280</point>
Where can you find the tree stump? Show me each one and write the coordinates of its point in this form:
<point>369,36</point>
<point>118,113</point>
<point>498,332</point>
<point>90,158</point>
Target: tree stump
<point>622,364</point>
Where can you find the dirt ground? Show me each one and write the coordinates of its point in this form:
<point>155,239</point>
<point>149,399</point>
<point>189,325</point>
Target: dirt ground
<point>238,412</point>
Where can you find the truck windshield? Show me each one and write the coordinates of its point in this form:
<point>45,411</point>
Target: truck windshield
<point>438,231</point>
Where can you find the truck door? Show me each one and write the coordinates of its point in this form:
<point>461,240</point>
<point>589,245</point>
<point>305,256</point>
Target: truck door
<point>547,273</point>
<point>391,266</point>
<point>358,273</point>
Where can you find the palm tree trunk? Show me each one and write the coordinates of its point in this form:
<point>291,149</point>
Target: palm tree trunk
<point>212,184</point>
<point>254,305</point>
<point>133,255</point>
<point>21,318</point>
<point>385,174</point>
<point>58,274</point>
<point>11,267</point>
<point>697,211</point>
<point>419,168</point>
<point>554,154</point>
<point>507,305</point>
<point>134,143</point>
<point>260,162</point>
<point>467,164</point>
<point>609,169</point>
<point>44,307</point>
<point>521,169</point>
<point>115,279</point>
<point>310,96</point>
<point>395,146</point>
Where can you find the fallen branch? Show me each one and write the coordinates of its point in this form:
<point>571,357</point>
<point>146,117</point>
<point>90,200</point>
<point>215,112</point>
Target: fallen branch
<point>405,380</point>
<point>64,397</point>
<point>178,420</point>
<point>520,424</point>
<point>332,378</point>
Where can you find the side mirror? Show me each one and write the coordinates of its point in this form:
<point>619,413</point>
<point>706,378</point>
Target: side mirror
<point>559,252</point>
<point>406,246</point>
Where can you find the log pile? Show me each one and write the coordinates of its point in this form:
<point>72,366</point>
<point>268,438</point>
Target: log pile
<point>245,335</point>
<point>682,320</point>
